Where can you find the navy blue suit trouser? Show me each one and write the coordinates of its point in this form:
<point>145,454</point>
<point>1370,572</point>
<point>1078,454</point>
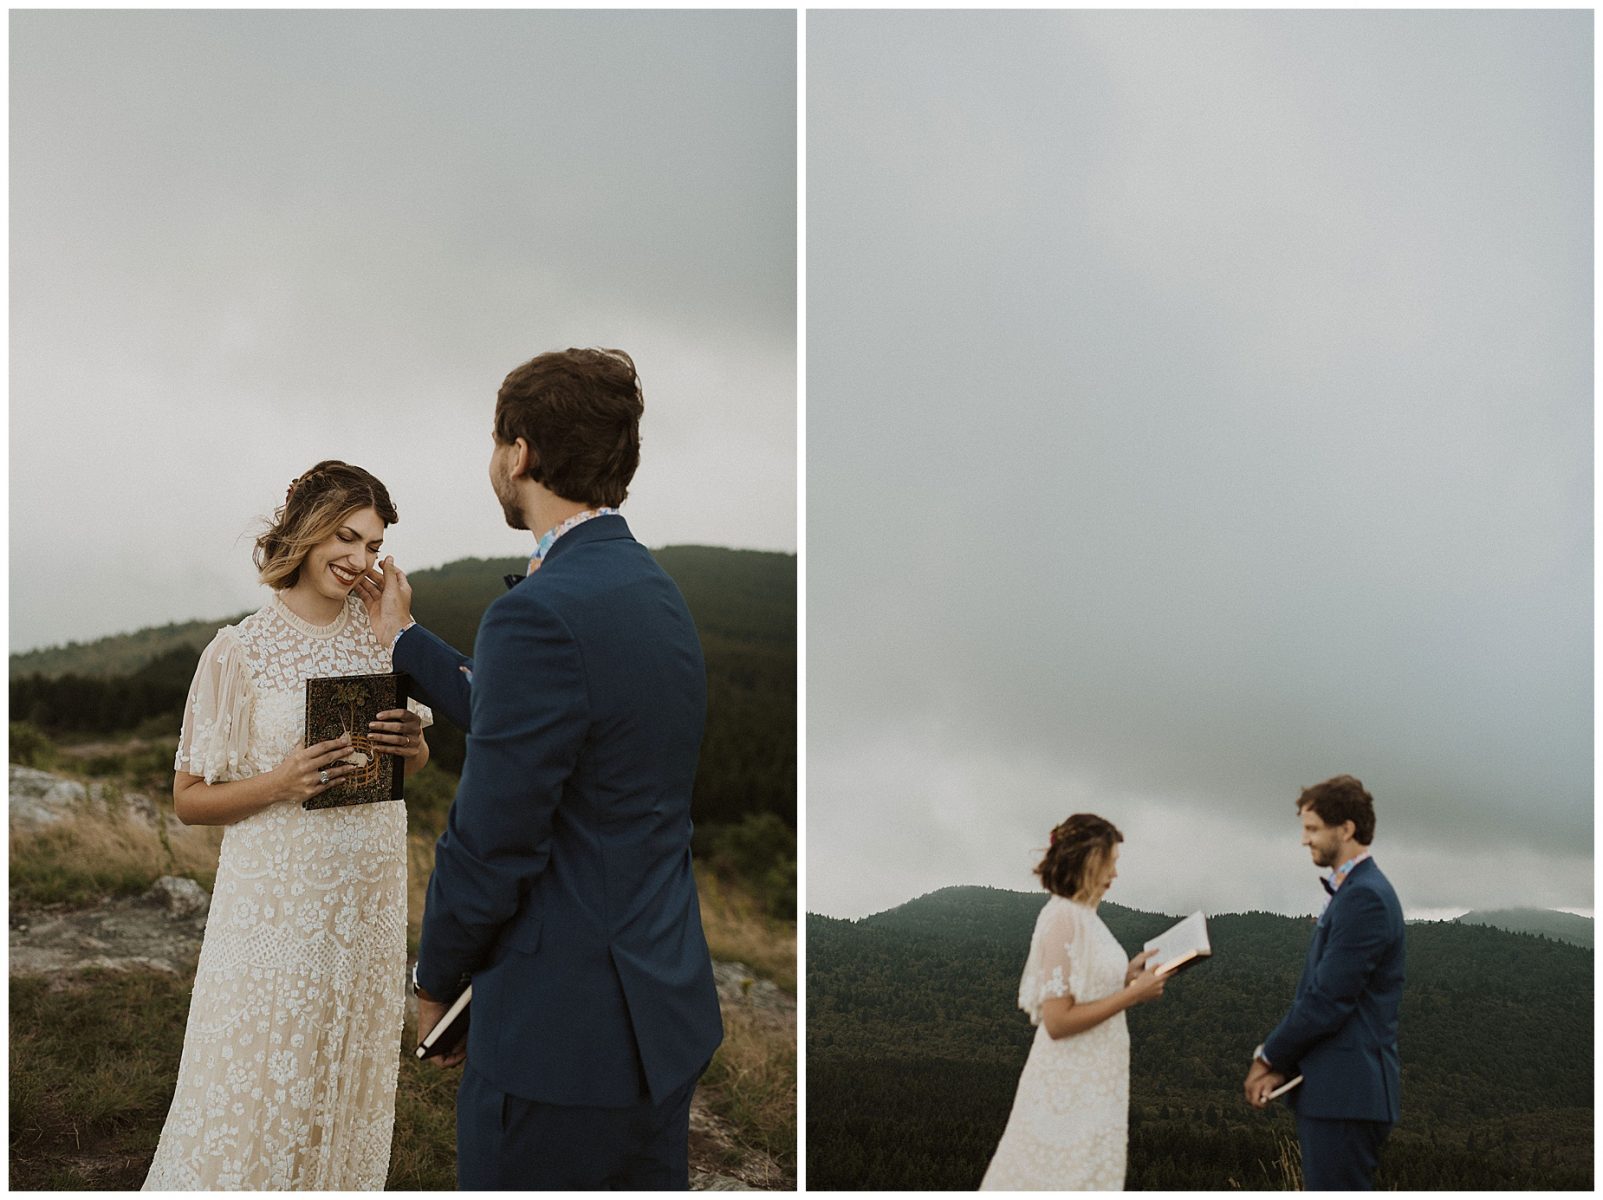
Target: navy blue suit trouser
<point>1340,1156</point>
<point>507,1143</point>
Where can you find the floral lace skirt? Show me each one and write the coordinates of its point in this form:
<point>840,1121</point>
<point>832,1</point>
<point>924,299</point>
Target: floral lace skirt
<point>1068,1129</point>
<point>288,1074</point>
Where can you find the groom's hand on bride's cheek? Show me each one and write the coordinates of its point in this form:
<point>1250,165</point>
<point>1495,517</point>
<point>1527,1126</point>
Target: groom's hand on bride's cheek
<point>387,596</point>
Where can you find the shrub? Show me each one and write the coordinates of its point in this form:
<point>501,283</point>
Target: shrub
<point>31,747</point>
<point>760,851</point>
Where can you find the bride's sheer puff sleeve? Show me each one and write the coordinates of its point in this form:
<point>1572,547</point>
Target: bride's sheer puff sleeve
<point>1059,958</point>
<point>217,715</point>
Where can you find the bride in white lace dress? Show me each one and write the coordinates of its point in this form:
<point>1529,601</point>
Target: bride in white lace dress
<point>291,1052</point>
<point>1067,1130</point>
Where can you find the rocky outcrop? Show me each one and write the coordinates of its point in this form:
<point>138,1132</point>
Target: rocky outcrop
<point>158,931</point>
<point>739,987</point>
<point>39,799</point>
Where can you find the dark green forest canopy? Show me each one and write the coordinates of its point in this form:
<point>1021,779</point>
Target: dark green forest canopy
<point>743,602</point>
<point>914,1046</point>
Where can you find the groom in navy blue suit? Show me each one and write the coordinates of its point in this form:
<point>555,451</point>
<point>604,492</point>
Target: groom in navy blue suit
<point>1341,1032</point>
<point>562,886</point>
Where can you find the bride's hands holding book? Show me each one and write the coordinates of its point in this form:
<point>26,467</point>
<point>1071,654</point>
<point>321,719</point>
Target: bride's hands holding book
<point>312,770</point>
<point>1136,965</point>
<point>1146,986</point>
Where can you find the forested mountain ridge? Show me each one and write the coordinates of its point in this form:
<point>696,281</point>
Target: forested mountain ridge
<point>733,593</point>
<point>743,602</point>
<point>915,1043</point>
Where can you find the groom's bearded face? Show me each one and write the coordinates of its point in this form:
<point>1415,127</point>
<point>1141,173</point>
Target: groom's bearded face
<point>1323,841</point>
<point>503,485</point>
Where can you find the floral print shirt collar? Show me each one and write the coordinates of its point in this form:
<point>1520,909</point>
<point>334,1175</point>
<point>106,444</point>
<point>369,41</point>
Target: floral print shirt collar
<point>1338,877</point>
<point>551,535</point>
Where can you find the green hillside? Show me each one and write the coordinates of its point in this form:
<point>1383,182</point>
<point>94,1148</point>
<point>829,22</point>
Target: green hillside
<point>1540,922</point>
<point>743,601</point>
<point>914,1045</point>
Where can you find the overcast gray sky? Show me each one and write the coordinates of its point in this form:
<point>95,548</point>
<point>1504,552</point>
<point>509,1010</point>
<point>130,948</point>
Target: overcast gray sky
<point>242,242</point>
<point>1199,406</point>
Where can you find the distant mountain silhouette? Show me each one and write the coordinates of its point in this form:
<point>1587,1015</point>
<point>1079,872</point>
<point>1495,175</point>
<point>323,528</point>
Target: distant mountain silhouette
<point>1543,922</point>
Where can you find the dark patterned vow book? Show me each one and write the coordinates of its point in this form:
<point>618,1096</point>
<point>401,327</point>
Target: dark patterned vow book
<point>345,704</point>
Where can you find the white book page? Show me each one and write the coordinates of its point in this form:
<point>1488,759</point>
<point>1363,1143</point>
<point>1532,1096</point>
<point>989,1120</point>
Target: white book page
<point>1178,941</point>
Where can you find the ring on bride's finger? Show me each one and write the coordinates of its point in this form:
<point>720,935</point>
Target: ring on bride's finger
<point>322,776</point>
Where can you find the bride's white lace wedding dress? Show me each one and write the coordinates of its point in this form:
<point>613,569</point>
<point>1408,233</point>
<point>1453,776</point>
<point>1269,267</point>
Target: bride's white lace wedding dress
<point>293,1044</point>
<point>1068,1127</point>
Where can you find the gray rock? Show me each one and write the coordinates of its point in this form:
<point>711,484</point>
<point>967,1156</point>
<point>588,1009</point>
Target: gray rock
<point>40,799</point>
<point>127,933</point>
<point>134,804</point>
<point>707,1181</point>
<point>738,985</point>
<point>180,897</point>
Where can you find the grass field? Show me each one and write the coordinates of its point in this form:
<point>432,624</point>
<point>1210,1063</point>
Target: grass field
<point>94,1054</point>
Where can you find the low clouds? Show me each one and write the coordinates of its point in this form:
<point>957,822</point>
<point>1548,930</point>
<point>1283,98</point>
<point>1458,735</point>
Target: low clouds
<point>1205,412</point>
<point>246,241</point>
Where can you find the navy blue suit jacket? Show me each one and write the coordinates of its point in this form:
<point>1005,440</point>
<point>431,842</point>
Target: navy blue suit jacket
<point>562,884</point>
<point>1341,1032</point>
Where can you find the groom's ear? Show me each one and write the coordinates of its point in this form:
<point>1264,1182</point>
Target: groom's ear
<point>526,462</point>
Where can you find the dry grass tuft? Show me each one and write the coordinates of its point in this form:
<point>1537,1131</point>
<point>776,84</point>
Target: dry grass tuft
<point>738,931</point>
<point>752,1082</point>
<point>1285,1172</point>
<point>90,854</point>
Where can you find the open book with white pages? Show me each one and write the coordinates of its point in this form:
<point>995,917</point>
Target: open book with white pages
<point>1180,946</point>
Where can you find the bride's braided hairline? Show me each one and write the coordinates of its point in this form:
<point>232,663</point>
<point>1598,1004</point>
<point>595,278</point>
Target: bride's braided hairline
<point>328,492</point>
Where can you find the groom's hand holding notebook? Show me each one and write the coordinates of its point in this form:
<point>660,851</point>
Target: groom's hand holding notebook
<point>449,1030</point>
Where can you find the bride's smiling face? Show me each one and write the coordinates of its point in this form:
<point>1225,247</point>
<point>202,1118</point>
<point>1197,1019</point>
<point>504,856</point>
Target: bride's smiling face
<point>334,565</point>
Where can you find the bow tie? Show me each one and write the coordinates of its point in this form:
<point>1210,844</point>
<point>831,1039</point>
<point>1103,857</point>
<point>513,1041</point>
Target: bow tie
<point>1325,883</point>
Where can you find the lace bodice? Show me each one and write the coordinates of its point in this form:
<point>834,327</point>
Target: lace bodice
<point>247,706</point>
<point>291,1051</point>
<point>1067,1129</point>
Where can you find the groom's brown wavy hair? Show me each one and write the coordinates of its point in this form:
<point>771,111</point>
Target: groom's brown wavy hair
<point>1079,846</point>
<point>580,411</point>
<point>1342,798</point>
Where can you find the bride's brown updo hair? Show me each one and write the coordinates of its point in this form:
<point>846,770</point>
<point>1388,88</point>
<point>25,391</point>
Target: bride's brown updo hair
<point>1079,847</point>
<point>313,509</point>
